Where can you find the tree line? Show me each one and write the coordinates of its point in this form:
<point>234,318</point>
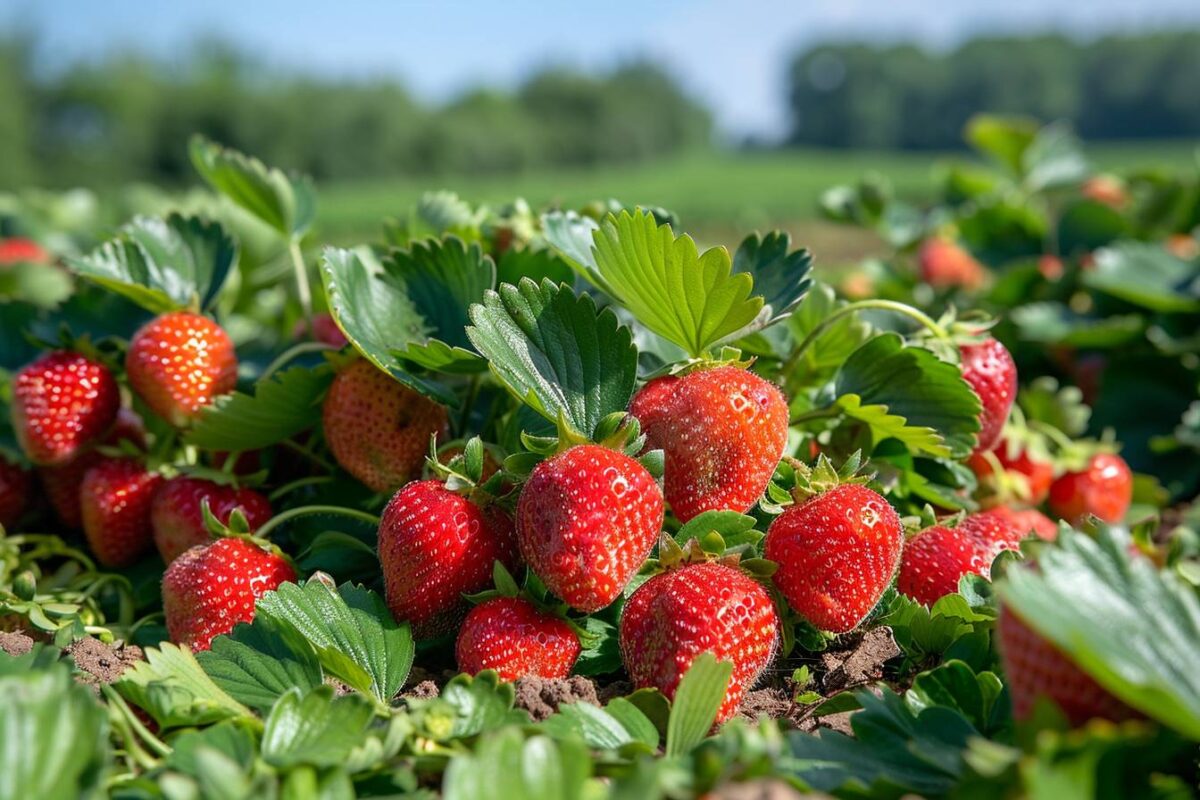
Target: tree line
<point>905,97</point>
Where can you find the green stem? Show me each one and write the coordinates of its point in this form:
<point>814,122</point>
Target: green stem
<point>1052,433</point>
<point>300,483</point>
<point>863,305</point>
<point>302,288</point>
<point>810,416</point>
<point>292,352</point>
<point>308,511</point>
<point>152,741</point>
<point>293,445</point>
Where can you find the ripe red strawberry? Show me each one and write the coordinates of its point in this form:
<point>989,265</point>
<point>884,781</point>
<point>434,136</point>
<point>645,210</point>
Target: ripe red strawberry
<point>180,362</point>
<point>435,546</point>
<point>323,329</point>
<point>62,403</point>
<point>16,250</point>
<point>377,428</point>
<point>1037,474</point>
<point>586,520</point>
<point>722,432</point>
<point>1036,668</point>
<point>209,589</point>
<point>511,636</point>
<point>115,499</point>
<point>992,531</point>
<point>934,560</point>
<point>16,485</point>
<point>989,368</point>
<point>679,614</point>
<point>177,514</point>
<point>837,553</point>
<point>1103,489</point>
<point>61,483</point>
<point>945,264</point>
<point>1030,520</point>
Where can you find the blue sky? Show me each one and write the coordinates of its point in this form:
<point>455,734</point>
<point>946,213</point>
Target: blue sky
<point>731,54</point>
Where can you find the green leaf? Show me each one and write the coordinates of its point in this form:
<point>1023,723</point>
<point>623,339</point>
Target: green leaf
<point>618,725</point>
<point>228,738</point>
<point>163,265</point>
<point>1005,139</point>
<point>1146,275</point>
<point>378,317</point>
<point>556,352</point>
<point>257,663</point>
<point>697,700</point>
<point>955,685</point>
<point>834,344</point>
<point>571,235</point>
<point>481,703</point>
<point>602,654</point>
<point>535,264</point>
<point>442,278</point>
<point>172,687</point>
<point>1087,225</point>
<point>1055,323</point>
<point>282,406</point>
<point>730,525</point>
<point>1043,400</point>
<point>908,393</point>
<point>506,764</point>
<point>55,737</point>
<point>351,630</point>
<point>435,214</point>
<point>1054,158</point>
<point>781,277</point>
<point>314,728</point>
<point>1134,629</point>
<point>41,285</point>
<point>694,300</point>
<point>285,202</point>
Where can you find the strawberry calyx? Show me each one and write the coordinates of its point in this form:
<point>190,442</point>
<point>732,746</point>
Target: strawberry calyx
<point>534,592</point>
<point>810,481</point>
<point>1073,455</point>
<point>672,555</point>
<point>239,528</point>
<point>725,357</point>
<point>618,431</point>
<point>462,473</point>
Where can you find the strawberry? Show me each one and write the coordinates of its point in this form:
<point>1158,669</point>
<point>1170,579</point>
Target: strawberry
<point>933,562</point>
<point>16,484</point>
<point>436,545</point>
<point>511,636</point>
<point>180,362</point>
<point>586,520</point>
<point>17,250</point>
<point>323,329</point>
<point>211,588</point>
<point>61,483</point>
<point>992,531</point>
<point>1036,668</point>
<point>115,500</point>
<point>1036,473</point>
<point>697,608</point>
<point>837,553</point>
<point>377,428</point>
<point>722,432</point>
<point>62,403</point>
<point>1103,489</point>
<point>177,514</point>
<point>945,264</point>
<point>1107,189</point>
<point>1030,520</point>
<point>989,368</point>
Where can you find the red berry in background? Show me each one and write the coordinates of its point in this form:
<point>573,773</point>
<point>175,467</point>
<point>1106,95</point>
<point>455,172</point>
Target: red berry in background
<point>837,553</point>
<point>180,362</point>
<point>1107,189</point>
<point>17,250</point>
<point>435,546</point>
<point>1103,489</point>
<point>177,514</point>
<point>511,636</point>
<point>61,483</point>
<point>933,562</point>
<point>1036,668</point>
<point>115,500</point>
<point>377,428</point>
<point>323,329</point>
<point>586,520</point>
<point>945,264</point>
<point>1181,245</point>
<point>1030,520</point>
<point>992,531</point>
<point>722,432</point>
<point>209,589</point>
<point>1037,474</point>
<point>989,369</point>
<point>16,485</point>
<point>62,403</point>
<point>1051,267</point>
<point>698,608</point>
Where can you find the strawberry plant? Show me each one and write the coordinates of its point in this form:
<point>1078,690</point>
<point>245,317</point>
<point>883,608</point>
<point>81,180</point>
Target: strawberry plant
<point>556,504</point>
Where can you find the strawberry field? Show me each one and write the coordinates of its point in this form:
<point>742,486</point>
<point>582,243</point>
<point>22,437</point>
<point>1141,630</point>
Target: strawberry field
<point>555,503</point>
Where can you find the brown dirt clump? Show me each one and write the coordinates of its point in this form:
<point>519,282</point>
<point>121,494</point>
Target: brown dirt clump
<point>15,644</point>
<point>859,661</point>
<point>540,697</point>
<point>425,690</point>
<point>101,663</point>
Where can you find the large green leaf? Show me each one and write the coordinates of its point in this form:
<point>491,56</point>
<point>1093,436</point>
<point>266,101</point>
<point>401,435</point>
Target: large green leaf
<point>697,700</point>
<point>285,202</point>
<point>1145,274</point>
<point>257,663</point>
<point>506,764</point>
<point>442,278</point>
<point>163,264</point>
<point>282,406</point>
<point>1054,158</point>
<point>832,346</point>
<point>571,235</point>
<point>694,300</point>
<point>910,394</point>
<point>1089,224</point>
<point>314,728</point>
<point>1055,323</point>
<point>54,737</point>
<point>481,703</point>
<point>1003,138</point>
<point>556,352</point>
<point>377,317</point>
<point>618,726</point>
<point>780,276</point>
<point>351,631</point>
<point>435,214</point>
<point>171,686</point>
<point>1133,628</point>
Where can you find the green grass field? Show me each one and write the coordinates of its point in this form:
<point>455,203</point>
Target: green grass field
<point>718,195</point>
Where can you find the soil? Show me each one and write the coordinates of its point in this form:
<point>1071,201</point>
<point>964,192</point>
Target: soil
<point>101,663</point>
<point>541,697</point>
<point>15,644</point>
